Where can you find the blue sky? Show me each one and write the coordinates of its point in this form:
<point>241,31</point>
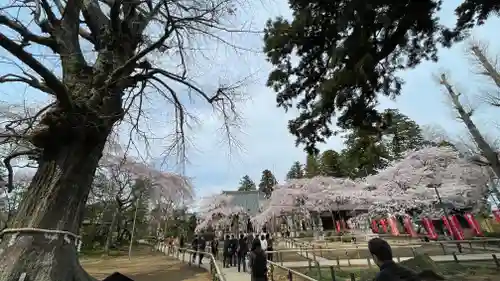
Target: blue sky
<point>265,141</point>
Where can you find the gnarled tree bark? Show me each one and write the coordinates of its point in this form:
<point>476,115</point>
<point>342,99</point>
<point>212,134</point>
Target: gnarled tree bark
<point>55,200</point>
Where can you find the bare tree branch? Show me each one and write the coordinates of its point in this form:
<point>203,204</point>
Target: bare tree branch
<point>8,165</point>
<point>489,67</point>
<point>50,79</point>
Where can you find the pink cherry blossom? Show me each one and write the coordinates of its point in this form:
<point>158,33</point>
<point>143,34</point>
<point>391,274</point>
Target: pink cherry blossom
<point>217,210</point>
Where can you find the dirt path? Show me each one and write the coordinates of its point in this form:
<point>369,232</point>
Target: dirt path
<point>147,266</point>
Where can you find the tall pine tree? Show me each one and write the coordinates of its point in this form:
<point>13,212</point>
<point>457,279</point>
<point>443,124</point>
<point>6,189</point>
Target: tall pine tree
<point>267,183</point>
<point>295,171</point>
<point>247,184</point>
<point>312,166</point>
<point>402,134</point>
<point>331,165</point>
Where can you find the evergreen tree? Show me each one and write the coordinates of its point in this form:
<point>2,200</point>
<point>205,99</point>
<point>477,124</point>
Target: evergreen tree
<point>402,134</point>
<point>311,168</point>
<point>364,154</point>
<point>331,165</point>
<point>338,56</point>
<point>247,184</point>
<point>295,171</point>
<point>267,182</point>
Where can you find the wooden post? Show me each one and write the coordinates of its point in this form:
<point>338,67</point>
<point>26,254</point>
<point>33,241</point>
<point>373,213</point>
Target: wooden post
<point>495,259</point>
<point>280,255</point>
<point>319,271</point>
<point>313,253</point>
<point>442,247</point>
<point>455,257</point>
<point>332,273</point>
<point>338,261</point>
<point>471,248</point>
<point>353,277</point>
<point>413,251</point>
<point>369,262</point>
<point>320,252</point>
<point>309,265</point>
<point>290,277</point>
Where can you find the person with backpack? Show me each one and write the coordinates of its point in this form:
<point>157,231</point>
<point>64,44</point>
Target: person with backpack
<point>389,270</point>
<point>258,262</point>
<point>242,252</point>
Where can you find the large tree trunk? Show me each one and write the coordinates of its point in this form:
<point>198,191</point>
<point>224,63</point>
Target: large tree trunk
<point>55,200</point>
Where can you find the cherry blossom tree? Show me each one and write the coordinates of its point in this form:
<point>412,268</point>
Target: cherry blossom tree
<point>406,184</point>
<point>301,196</point>
<point>217,211</point>
<point>130,180</point>
<point>410,183</point>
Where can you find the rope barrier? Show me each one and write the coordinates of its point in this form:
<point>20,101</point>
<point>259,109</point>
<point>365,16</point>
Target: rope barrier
<point>77,238</point>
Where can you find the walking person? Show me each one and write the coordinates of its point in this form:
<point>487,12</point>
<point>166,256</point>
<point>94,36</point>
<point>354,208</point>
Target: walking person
<point>389,270</point>
<point>250,238</point>
<point>234,247</point>
<point>214,246</point>
<point>263,242</point>
<point>242,252</point>
<point>194,246</point>
<point>181,244</point>
<point>258,262</point>
<point>269,241</point>
<point>201,247</point>
<point>226,252</point>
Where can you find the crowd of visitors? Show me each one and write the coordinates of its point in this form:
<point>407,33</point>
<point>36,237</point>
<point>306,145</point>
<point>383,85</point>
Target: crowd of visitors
<point>247,250</point>
<point>254,251</point>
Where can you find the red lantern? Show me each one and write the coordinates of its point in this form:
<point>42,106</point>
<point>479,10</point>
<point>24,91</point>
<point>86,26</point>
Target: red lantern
<point>429,227</point>
<point>496,214</point>
<point>375,226</point>
<point>394,226</point>
<point>409,226</point>
<point>383,223</point>
<point>474,224</point>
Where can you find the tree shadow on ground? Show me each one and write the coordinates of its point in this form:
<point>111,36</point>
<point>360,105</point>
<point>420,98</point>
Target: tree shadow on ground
<point>144,266</point>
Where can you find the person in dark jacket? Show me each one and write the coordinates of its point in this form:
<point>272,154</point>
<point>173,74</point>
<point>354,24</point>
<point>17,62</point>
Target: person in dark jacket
<point>389,270</point>
<point>214,246</point>
<point>234,248</point>
<point>194,246</point>
<point>270,248</point>
<point>226,252</point>
<point>182,244</point>
<point>258,262</point>
<point>201,247</point>
<point>242,252</point>
<point>250,240</point>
